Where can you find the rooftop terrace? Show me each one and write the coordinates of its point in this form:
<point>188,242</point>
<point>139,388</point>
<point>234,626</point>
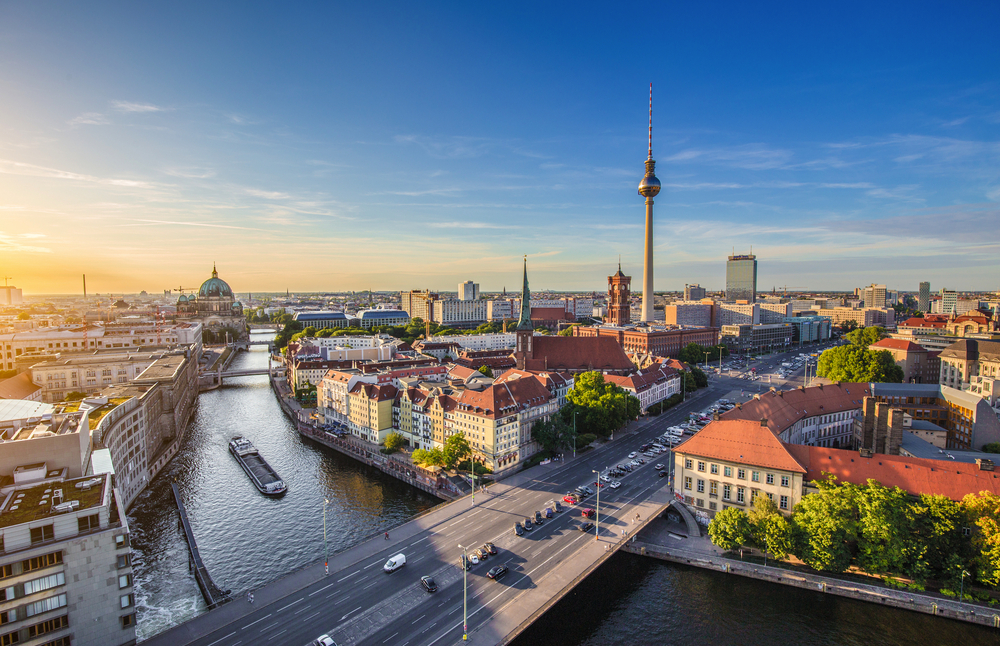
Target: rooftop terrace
<point>35,502</point>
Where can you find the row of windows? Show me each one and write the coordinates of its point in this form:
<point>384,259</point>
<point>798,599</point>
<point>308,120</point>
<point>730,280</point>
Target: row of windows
<point>34,563</point>
<point>741,474</point>
<point>727,492</point>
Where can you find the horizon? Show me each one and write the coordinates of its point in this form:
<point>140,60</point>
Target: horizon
<point>316,147</point>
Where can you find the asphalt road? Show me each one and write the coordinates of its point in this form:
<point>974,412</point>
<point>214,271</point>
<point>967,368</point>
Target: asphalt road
<point>361,604</point>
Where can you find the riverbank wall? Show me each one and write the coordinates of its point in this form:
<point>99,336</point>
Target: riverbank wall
<point>916,602</point>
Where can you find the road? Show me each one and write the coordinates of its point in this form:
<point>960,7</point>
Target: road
<point>361,604</point>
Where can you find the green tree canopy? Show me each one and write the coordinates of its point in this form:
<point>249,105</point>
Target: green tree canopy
<point>456,449</point>
<point>486,370</point>
<point>866,336</point>
<point>983,512</point>
<point>600,406</point>
<point>856,363</point>
<point>553,434</point>
<point>825,526</point>
<point>883,528</point>
<point>730,529</point>
<point>394,441</point>
<point>429,457</point>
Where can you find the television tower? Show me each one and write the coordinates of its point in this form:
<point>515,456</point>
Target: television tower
<point>648,188</point>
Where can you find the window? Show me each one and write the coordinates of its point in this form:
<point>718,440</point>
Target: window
<point>701,486</point>
<point>123,561</point>
<point>727,491</point>
<point>39,562</point>
<point>727,471</point>
<point>783,502</point>
<point>44,583</point>
<point>687,482</point>
<point>59,641</point>
<point>770,496</point>
<point>713,488</point>
<point>45,605</point>
<point>127,601</point>
<point>8,616</point>
<point>712,506</point>
<point>714,469</point>
<point>10,638</point>
<point>769,478</point>
<point>6,571</point>
<point>740,495</point>
<point>48,626</point>
<point>701,465</point>
<point>128,620</point>
<point>755,476</point>
<point>87,523</point>
<point>688,464</point>
<point>40,534</point>
<point>784,481</point>
<point>124,581</point>
<point>741,474</point>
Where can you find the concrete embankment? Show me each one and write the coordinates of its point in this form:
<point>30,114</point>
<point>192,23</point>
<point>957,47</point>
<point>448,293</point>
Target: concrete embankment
<point>917,602</point>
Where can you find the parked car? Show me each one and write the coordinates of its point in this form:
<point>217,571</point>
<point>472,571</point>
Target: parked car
<point>518,529</point>
<point>473,559</point>
<point>481,554</point>
<point>548,512</point>
<point>466,563</point>
<point>570,499</point>
<point>491,548</point>
<point>538,518</point>
<point>428,583</point>
<point>615,484</point>
<point>323,640</point>
<point>587,512</point>
<point>497,572</point>
<point>558,507</point>
<point>527,525</point>
<point>632,454</point>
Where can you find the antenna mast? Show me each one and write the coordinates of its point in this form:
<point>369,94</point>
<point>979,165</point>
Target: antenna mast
<point>650,121</point>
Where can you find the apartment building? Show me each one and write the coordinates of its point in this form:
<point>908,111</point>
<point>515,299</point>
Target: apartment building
<point>458,313</point>
<point>419,304</point>
<point>650,386</point>
<point>91,372</point>
<point>919,365</point>
<point>969,419</point>
<point>66,565</point>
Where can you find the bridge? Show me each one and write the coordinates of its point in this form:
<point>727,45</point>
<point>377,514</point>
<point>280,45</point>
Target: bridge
<point>213,379</point>
<point>358,604</point>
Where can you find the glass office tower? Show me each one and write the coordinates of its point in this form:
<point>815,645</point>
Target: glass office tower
<point>741,278</point>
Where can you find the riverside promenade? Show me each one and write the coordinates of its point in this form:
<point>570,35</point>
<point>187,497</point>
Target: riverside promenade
<point>668,540</point>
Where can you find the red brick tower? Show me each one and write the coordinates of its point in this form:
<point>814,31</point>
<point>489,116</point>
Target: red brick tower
<point>619,298</point>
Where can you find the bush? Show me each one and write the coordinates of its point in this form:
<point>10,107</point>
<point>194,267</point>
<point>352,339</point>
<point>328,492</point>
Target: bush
<point>948,593</point>
<point>992,447</point>
<point>916,587</point>
<point>585,439</point>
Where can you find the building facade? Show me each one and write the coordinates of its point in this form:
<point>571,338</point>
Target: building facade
<point>419,304</point>
<point>741,278</point>
<point>694,292</point>
<point>468,291</point>
<point>924,297</point>
<point>619,298</point>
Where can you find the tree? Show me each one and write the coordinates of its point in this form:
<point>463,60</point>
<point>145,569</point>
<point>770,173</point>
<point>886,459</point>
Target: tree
<point>883,528</point>
<point>824,526</point>
<point>486,370</point>
<point>600,406</point>
<point>394,441</point>
<point>585,439</point>
<point>568,331</point>
<point>730,529</point>
<point>429,457</point>
<point>553,434</point>
<point>769,529</point>
<point>866,336</point>
<point>700,379</point>
<point>848,326</point>
<point>856,363</point>
<point>23,316</point>
<point>992,447</point>
<point>935,542</point>
<point>983,512</point>
<point>456,448</point>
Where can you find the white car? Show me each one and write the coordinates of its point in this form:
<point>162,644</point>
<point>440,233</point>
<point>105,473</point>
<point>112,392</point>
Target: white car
<point>632,454</point>
<point>473,559</point>
<point>323,640</point>
<point>605,478</point>
<point>615,484</point>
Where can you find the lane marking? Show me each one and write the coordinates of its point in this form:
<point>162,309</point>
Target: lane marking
<point>312,615</point>
<point>321,589</point>
<point>258,621</point>
<point>388,639</point>
<point>372,565</point>
<point>291,604</point>
<point>348,576</point>
<point>417,619</point>
<point>226,637</point>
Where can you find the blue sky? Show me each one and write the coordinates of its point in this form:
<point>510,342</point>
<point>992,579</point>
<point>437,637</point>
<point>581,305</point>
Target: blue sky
<point>335,146</point>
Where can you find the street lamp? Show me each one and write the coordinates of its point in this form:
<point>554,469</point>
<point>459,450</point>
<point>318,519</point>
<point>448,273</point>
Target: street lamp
<point>326,550</point>
<point>961,586</point>
<point>597,516</point>
<point>706,359</point>
<point>574,433</point>
<point>465,594</point>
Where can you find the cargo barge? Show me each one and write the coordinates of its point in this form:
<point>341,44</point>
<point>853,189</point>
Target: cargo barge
<point>267,481</point>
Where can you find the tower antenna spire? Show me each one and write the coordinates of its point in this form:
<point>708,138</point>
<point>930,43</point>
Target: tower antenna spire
<point>650,121</point>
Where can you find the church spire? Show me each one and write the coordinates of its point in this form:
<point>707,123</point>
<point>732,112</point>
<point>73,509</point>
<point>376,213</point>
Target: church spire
<point>524,322</point>
<point>215,274</point>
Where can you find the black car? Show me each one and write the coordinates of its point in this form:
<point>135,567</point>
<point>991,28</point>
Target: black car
<point>518,529</point>
<point>428,583</point>
<point>527,524</point>
<point>663,474</point>
<point>586,527</point>
<point>538,518</point>
<point>497,572</point>
<point>466,562</point>
<point>490,547</point>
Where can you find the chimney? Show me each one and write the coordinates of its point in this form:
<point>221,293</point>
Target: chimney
<point>984,464</point>
<point>866,453</point>
<point>821,386</point>
<point>763,422</point>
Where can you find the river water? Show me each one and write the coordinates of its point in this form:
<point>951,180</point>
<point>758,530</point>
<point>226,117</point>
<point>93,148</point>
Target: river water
<point>247,540</point>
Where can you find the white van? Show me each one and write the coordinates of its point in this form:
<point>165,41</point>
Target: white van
<point>395,563</point>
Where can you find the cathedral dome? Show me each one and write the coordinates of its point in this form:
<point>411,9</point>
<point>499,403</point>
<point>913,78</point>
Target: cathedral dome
<point>215,287</point>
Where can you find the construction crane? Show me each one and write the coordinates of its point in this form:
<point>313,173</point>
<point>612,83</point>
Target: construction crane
<point>794,287</point>
<point>6,278</point>
<point>185,289</point>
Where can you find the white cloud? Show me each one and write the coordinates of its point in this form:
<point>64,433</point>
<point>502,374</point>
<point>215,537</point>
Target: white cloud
<point>9,167</point>
<point>268,195</point>
<point>90,119</point>
<point>11,243</point>
<point>129,106</point>
<point>469,225</point>
<point>190,172</point>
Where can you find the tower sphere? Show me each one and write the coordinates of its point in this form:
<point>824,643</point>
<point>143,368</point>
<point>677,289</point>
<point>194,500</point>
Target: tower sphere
<point>649,186</point>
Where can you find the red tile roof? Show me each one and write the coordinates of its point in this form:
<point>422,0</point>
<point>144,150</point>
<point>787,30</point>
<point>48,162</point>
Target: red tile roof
<point>785,407</point>
<point>898,344</point>
<point>578,353</point>
<point>913,475</point>
<point>923,323</point>
<point>743,442</point>
<point>18,387</point>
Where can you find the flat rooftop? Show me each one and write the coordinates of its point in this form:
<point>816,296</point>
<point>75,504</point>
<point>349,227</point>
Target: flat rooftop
<point>920,448</point>
<point>33,503</point>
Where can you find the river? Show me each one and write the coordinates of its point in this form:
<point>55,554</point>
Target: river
<point>247,540</point>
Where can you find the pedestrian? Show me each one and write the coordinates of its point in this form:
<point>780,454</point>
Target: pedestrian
<point>249,598</point>
<point>387,536</point>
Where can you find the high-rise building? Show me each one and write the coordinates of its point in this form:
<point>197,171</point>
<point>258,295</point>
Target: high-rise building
<point>10,295</point>
<point>741,278</point>
<point>649,187</point>
<point>619,296</point>
<point>468,291</point>
<point>924,297</point>
<point>694,292</point>
<point>418,304</point>
<point>873,295</point>
<point>949,301</point>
